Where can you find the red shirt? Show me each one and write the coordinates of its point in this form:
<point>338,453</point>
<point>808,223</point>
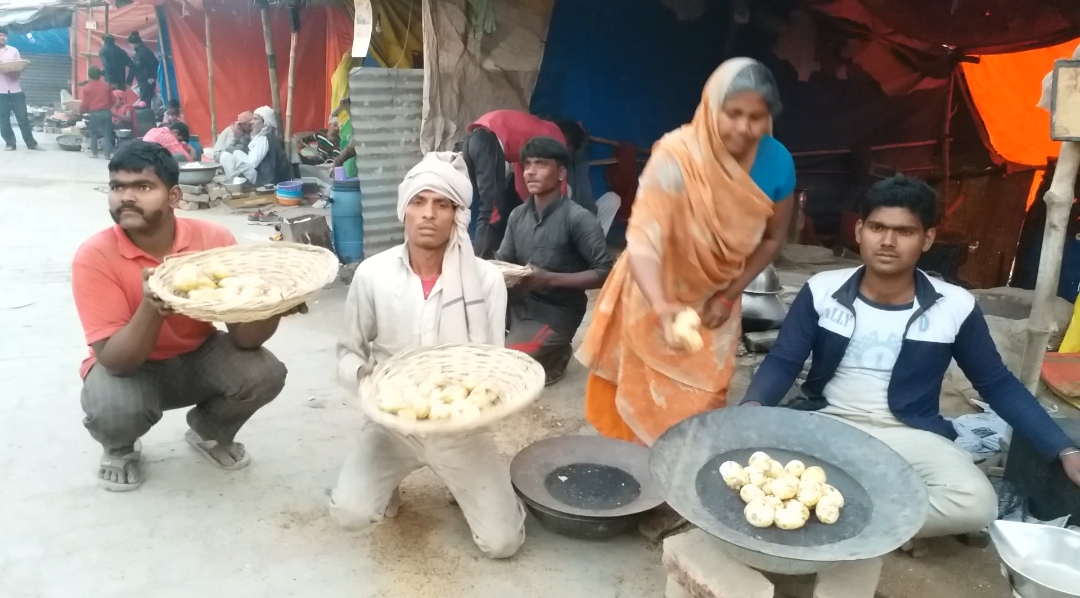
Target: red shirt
<point>164,137</point>
<point>514,128</point>
<point>96,95</point>
<point>106,280</point>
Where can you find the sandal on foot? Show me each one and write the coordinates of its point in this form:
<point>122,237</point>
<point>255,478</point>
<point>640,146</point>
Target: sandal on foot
<point>121,463</point>
<point>211,450</point>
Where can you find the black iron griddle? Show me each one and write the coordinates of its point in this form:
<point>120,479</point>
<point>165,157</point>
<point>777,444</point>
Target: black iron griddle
<point>885,501</point>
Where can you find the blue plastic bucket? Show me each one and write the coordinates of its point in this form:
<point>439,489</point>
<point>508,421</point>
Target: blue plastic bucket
<point>347,221</point>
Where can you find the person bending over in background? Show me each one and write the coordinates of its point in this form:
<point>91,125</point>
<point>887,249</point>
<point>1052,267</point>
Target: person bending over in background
<point>173,138</point>
<point>144,66</point>
<point>145,359</point>
<point>882,336</point>
<point>115,62</point>
<point>565,246</point>
<point>429,291</point>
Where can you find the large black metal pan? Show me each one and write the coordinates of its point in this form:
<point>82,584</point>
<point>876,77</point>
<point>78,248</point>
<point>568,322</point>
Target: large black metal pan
<point>886,502</point>
<point>585,486</point>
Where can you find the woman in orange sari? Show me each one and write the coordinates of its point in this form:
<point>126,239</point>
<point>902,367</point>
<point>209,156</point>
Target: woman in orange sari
<point>711,212</point>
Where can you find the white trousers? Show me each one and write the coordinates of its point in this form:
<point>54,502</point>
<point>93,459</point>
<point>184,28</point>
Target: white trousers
<point>961,498</point>
<point>606,208</point>
<point>469,465</point>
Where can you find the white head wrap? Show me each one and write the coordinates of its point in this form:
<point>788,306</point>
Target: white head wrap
<point>464,317</point>
<point>267,114</point>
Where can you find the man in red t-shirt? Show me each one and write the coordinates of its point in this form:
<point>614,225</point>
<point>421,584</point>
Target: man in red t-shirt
<point>494,141</point>
<point>96,106</point>
<point>145,360</point>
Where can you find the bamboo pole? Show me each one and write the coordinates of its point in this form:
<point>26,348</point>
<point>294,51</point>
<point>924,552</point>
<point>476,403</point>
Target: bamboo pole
<point>106,20</point>
<point>1058,200</point>
<point>271,59</point>
<point>295,20</point>
<point>210,75</point>
<point>74,54</point>
<point>89,16</point>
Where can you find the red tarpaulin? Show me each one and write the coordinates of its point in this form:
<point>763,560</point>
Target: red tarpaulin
<point>241,78</point>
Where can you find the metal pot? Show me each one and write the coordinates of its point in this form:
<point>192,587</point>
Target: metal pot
<point>762,308</point>
<point>1040,560</point>
<point>198,175</point>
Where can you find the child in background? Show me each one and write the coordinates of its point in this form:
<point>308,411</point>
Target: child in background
<point>172,114</point>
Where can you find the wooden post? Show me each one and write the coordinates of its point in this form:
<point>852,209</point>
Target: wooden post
<point>271,60</point>
<point>1059,199</point>
<point>74,43</point>
<point>106,20</point>
<point>89,16</point>
<point>294,14</point>
<point>210,73</point>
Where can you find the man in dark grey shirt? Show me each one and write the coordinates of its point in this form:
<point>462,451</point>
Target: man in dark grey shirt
<point>566,248</point>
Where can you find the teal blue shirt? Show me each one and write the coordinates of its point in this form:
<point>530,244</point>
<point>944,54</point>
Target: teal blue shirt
<point>773,169</point>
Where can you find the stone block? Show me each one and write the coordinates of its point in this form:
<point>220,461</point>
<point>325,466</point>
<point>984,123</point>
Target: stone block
<point>192,189</point>
<point>191,205</point>
<point>760,342</point>
<point>701,568</point>
<point>197,198</point>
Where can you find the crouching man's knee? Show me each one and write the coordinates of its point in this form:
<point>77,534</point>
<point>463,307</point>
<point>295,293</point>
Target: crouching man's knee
<point>502,544</point>
<point>355,518</point>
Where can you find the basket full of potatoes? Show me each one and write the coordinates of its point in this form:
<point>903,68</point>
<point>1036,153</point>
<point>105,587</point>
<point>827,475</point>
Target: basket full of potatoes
<point>450,388</point>
<point>243,283</point>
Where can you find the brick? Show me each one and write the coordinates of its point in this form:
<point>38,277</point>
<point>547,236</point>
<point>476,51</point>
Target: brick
<point>698,563</point>
<point>853,579</point>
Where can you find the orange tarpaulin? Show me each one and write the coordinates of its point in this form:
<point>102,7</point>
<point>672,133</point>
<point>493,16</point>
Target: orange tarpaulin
<point>241,80</point>
<point>1005,89</point>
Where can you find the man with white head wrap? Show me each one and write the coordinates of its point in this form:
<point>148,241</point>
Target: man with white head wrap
<point>265,161</point>
<point>428,291</point>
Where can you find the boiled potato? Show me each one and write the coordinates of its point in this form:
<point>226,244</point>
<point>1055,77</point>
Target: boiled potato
<point>761,460</point>
<point>759,514</point>
<point>789,519</point>
<point>833,495</point>
<point>453,394</point>
<point>795,468</point>
<point>784,487</point>
<point>751,493</point>
<point>798,506</point>
<point>734,475</point>
<point>204,294</point>
<point>187,278</point>
<point>440,410</point>
<point>484,394</point>
<point>217,271</point>
<point>407,414</point>
<point>814,473</point>
<point>685,329</point>
<point>827,511</point>
<point>809,492</point>
<point>774,502</point>
<point>775,469</point>
<point>756,476</point>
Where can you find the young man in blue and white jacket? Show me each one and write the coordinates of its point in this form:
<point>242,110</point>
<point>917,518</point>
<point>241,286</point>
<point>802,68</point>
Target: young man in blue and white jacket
<point>882,337</point>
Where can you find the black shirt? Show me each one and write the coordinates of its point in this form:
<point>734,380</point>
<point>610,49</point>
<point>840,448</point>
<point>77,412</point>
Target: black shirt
<point>566,238</point>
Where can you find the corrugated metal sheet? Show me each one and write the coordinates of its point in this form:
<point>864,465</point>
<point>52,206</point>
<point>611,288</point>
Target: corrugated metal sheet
<point>386,112</point>
<point>46,76</point>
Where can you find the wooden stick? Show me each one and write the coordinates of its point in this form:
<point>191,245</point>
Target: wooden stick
<point>1058,200</point>
<point>106,19</point>
<point>876,148</point>
<point>210,75</point>
<point>89,15</point>
<point>271,59</point>
<point>289,92</point>
<point>74,43</point>
<point>616,144</point>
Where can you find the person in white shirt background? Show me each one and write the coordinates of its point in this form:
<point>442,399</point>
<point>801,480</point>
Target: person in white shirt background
<point>12,99</point>
<point>428,291</point>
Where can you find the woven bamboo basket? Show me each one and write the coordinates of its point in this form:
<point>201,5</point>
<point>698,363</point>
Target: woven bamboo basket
<point>512,273</point>
<point>297,271</point>
<point>519,377</point>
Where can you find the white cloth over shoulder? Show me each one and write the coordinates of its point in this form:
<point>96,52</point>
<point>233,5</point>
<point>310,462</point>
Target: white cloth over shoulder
<point>445,173</point>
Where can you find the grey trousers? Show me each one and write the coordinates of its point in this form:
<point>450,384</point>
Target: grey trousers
<point>225,385</point>
<point>101,126</point>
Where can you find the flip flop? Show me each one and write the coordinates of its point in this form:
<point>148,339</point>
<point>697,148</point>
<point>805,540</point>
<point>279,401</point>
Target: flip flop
<point>121,463</point>
<point>205,446</point>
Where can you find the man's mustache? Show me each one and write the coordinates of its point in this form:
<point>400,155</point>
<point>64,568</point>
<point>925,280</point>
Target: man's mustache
<point>128,207</point>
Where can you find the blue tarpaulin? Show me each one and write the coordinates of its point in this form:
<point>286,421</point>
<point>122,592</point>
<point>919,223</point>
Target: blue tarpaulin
<point>47,41</point>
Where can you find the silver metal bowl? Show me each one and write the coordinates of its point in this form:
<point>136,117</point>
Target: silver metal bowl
<point>765,283</point>
<point>1040,560</point>
<point>198,175</point>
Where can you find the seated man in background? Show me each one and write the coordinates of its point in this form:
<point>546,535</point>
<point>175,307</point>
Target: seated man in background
<point>233,137</point>
<point>173,138</point>
<point>95,106</point>
<point>321,146</point>
<point>882,337</point>
<point>123,112</point>
<point>265,161</point>
<point>145,359</point>
<point>429,291</point>
<point>565,246</point>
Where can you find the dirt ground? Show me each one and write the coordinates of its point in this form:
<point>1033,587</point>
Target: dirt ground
<point>265,531</point>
